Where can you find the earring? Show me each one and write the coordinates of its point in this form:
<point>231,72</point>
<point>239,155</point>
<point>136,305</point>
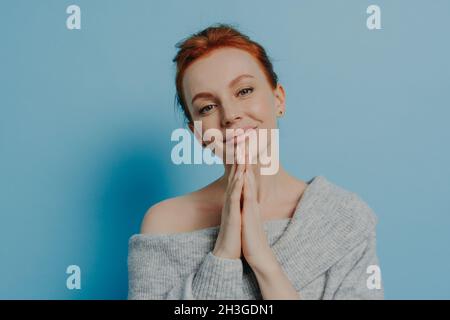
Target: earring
<point>280,113</point>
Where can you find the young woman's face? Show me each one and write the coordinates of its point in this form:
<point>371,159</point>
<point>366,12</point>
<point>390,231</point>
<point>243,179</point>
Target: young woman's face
<point>228,89</point>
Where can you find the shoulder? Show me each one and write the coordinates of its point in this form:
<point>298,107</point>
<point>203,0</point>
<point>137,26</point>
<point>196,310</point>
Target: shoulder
<point>346,210</point>
<point>336,220</point>
<point>161,217</point>
<point>353,212</point>
<point>179,214</point>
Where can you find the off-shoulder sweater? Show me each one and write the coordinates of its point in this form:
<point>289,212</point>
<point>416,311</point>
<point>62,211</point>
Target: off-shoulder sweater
<point>327,250</point>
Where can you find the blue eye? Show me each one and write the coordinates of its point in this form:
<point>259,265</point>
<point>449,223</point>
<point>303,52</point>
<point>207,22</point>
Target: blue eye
<point>206,107</point>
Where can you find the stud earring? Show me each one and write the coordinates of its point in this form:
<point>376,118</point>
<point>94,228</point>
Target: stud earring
<point>280,113</point>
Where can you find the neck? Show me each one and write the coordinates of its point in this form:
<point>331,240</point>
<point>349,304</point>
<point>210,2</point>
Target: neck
<point>268,187</point>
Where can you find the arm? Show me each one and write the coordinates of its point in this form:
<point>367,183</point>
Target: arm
<point>155,264</point>
<point>152,274</point>
<point>273,281</point>
<point>217,278</point>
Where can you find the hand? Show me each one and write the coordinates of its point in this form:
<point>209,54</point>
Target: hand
<point>255,246</point>
<point>228,243</point>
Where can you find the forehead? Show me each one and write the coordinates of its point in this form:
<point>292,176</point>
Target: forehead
<point>215,71</point>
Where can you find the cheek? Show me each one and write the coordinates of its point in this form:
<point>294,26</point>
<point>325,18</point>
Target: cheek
<point>264,104</point>
<point>262,109</point>
<point>211,122</point>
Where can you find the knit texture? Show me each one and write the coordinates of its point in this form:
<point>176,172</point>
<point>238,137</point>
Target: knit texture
<point>326,250</point>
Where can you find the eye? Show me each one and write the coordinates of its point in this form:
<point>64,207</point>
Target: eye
<point>206,108</point>
<point>245,91</point>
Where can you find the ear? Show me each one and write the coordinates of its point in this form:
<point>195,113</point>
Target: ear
<point>280,97</point>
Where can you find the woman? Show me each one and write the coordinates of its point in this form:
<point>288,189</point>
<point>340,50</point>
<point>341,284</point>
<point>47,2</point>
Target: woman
<point>249,235</point>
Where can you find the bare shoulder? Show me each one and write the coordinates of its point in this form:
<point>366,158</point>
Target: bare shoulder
<point>159,217</point>
<point>179,214</point>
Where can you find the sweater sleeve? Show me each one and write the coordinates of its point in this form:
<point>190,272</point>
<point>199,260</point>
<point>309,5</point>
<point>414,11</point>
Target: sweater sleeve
<point>157,272</point>
<point>359,273</point>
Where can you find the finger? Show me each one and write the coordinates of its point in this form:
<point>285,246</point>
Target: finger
<point>233,167</point>
<point>253,184</point>
<point>249,196</point>
<point>247,167</point>
<point>249,220</point>
<point>236,191</point>
<point>251,178</point>
<point>232,172</point>
<point>238,175</point>
<point>237,157</point>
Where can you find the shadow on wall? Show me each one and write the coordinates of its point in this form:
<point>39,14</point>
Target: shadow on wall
<point>134,178</point>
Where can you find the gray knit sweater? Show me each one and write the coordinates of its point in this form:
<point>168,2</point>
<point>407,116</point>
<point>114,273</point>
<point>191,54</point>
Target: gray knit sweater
<point>327,250</point>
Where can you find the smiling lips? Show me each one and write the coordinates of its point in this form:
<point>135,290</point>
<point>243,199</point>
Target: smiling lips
<point>236,134</point>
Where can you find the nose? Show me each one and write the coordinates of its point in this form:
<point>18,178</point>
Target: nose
<point>231,114</point>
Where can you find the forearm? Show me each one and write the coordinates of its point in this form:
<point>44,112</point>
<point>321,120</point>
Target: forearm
<point>274,283</point>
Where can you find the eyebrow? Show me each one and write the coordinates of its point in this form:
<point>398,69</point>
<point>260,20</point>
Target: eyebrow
<point>231,84</point>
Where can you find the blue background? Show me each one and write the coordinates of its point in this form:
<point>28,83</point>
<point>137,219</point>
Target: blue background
<point>86,118</point>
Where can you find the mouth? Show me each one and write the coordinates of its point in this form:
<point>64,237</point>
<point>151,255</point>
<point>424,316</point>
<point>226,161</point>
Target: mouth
<point>235,136</point>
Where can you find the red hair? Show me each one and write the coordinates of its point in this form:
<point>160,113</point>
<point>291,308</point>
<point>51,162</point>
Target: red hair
<point>209,39</point>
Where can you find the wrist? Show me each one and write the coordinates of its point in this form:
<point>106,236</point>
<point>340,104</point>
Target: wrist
<point>268,264</point>
<point>224,255</point>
